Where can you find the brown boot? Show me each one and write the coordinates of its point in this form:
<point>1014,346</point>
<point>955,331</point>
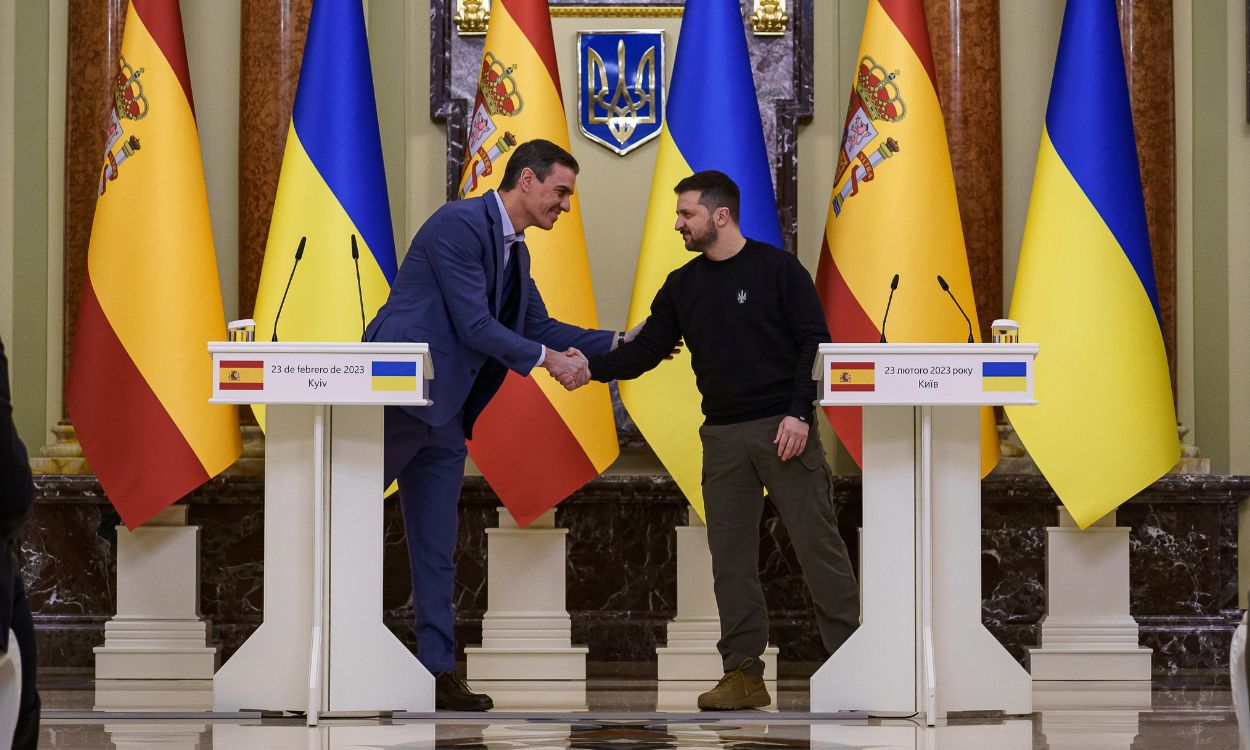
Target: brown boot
<point>736,690</point>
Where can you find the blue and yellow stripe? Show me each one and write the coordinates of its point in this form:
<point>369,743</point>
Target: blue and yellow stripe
<point>1085,288</point>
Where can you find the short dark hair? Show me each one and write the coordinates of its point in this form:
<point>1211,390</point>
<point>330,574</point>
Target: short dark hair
<point>540,157</point>
<point>715,190</point>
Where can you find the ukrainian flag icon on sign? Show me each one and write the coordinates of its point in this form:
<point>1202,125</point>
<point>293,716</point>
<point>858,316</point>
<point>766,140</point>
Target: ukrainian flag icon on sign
<point>1004,377</point>
<point>394,376</point>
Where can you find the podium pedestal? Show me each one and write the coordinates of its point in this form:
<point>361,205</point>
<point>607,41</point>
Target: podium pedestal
<point>155,655</point>
<point>527,631</point>
<point>690,653</point>
<point>1088,633</point>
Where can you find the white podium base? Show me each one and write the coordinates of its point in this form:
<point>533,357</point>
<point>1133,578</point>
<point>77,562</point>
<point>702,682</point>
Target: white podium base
<point>305,640</point>
<point>155,656</point>
<point>690,653</point>
<point>1088,634</point>
<point>526,632</point>
<point>903,660</point>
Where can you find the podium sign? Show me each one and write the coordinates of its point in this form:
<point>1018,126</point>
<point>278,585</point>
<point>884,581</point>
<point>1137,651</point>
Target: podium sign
<point>319,373</point>
<point>926,374</point>
<point>921,647</point>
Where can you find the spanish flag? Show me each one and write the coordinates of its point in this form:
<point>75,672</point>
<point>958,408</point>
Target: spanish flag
<point>1085,288</point>
<point>893,209</point>
<point>570,436</point>
<point>140,375</point>
<point>710,124</point>
<point>330,238</point>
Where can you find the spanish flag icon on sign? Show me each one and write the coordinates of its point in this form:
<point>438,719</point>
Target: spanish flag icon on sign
<point>241,375</point>
<point>852,376</point>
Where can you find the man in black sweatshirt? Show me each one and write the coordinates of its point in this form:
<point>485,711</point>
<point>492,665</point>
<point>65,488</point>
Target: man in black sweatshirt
<point>751,318</point>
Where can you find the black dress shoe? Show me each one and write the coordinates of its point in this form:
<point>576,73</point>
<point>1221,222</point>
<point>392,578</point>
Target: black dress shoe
<point>452,693</point>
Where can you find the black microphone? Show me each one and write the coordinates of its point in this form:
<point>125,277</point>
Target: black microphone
<point>299,253</point>
<point>947,288</point>
<point>893,286</point>
<point>359,291</point>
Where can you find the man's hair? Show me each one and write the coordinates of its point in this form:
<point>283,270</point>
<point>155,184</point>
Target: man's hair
<point>715,189</point>
<point>540,157</point>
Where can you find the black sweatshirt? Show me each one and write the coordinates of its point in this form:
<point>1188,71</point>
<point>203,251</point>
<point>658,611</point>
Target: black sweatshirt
<point>752,324</point>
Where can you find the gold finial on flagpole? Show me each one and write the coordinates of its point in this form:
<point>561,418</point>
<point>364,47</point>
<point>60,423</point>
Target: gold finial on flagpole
<point>472,17</point>
<point>769,18</point>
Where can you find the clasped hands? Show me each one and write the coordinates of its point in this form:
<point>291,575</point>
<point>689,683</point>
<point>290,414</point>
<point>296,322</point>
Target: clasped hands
<point>568,367</point>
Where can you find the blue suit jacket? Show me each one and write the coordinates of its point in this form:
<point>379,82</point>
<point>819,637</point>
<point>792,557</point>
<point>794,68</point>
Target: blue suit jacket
<point>448,294</point>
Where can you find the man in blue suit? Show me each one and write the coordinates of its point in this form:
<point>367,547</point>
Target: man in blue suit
<point>465,288</point>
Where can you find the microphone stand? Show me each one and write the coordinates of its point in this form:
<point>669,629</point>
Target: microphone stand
<point>359,290</point>
<point>299,253</point>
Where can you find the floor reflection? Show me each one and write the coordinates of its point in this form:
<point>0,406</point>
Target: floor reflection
<point>611,714</point>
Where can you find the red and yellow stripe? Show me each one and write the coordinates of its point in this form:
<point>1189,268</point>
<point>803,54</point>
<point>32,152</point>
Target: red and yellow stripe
<point>901,217</point>
<point>572,434</point>
<point>140,375</point>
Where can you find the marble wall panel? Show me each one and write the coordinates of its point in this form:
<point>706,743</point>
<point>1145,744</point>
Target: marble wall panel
<point>622,566</point>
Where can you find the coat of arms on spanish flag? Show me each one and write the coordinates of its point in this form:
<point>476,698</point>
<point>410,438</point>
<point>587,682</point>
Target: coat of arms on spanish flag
<point>893,208</point>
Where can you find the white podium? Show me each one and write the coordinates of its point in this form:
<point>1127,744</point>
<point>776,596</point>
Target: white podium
<point>921,648</point>
<point>322,648</point>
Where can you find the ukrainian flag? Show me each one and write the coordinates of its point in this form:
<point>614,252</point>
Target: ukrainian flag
<point>332,187</point>
<point>1085,288</point>
<point>710,124</point>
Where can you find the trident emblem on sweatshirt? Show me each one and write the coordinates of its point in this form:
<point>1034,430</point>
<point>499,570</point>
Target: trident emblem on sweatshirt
<point>742,296</point>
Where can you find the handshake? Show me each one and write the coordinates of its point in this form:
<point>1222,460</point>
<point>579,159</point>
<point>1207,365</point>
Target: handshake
<point>569,367</point>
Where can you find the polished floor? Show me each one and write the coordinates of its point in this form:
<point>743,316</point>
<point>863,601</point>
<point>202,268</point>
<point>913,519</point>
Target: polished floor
<point>609,713</point>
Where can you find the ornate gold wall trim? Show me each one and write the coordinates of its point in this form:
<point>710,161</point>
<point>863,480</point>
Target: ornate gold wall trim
<point>615,11</point>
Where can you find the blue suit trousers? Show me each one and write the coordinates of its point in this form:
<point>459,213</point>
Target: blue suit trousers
<point>429,464</point>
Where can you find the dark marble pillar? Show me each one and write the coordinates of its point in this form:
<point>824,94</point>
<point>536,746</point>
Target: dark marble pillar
<point>964,35</point>
<point>93,47</point>
<point>1146,34</point>
<point>272,49</point>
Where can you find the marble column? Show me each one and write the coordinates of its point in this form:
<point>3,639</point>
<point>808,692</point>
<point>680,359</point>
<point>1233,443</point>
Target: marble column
<point>965,38</point>
<point>93,49</point>
<point>272,48</point>
<point>1146,35</point>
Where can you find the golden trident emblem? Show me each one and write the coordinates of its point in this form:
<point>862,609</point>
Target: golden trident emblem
<point>620,113</point>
